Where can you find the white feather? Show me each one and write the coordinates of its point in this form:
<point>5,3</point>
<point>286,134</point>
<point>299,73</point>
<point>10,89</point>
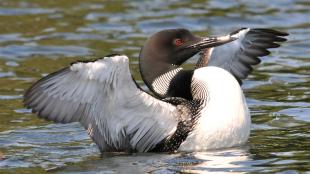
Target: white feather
<point>104,96</point>
<point>225,120</point>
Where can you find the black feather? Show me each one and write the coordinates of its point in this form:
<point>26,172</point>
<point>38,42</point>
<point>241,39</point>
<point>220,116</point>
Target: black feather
<point>254,44</point>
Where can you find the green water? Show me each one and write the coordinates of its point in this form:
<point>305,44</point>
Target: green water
<point>38,37</point>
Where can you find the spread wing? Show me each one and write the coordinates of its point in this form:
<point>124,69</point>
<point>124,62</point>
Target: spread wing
<point>103,97</point>
<point>239,56</point>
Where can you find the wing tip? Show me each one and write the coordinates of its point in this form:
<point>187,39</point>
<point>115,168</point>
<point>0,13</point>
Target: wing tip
<point>28,93</point>
<point>271,31</point>
<point>26,99</point>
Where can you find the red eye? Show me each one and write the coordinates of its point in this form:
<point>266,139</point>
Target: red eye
<point>178,42</point>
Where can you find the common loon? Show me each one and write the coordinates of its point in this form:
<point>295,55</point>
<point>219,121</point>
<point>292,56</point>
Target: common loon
<point>192,110</point>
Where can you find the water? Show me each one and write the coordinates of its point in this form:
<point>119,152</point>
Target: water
<point>39,37</point>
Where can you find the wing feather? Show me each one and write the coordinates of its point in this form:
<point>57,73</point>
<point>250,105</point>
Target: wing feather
<point>102,96</point>
<point>239,56</point>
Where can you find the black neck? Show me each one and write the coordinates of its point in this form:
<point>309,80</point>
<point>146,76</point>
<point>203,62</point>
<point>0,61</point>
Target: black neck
<point>180,85</point>
<point>150,69</point>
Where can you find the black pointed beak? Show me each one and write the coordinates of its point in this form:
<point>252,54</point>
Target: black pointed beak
<point>208,42</point>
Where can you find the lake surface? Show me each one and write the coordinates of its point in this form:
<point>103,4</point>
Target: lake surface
<point>38,37</point>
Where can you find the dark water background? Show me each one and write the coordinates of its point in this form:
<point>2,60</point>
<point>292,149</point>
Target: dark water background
<point>38,37</point>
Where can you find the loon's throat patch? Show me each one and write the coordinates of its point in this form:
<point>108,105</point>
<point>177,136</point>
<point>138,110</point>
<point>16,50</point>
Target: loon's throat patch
<point>161,84</point>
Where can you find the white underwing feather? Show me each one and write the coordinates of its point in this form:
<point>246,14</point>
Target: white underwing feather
<point>101,95</point>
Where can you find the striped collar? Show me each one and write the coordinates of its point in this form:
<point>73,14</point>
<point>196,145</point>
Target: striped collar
<point>161,84</point>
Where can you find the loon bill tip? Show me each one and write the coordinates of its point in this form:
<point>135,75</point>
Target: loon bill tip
<point>209,42</point>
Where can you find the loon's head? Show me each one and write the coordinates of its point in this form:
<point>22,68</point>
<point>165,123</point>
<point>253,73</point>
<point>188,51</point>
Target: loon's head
<point>167,49</point>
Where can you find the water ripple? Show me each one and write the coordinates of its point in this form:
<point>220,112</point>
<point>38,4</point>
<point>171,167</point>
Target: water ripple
<point>22,51</point>
<point>39,37</point>
<point>24,11</point>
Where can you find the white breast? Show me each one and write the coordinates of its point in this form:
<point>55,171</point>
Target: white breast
<point>225,120</point>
